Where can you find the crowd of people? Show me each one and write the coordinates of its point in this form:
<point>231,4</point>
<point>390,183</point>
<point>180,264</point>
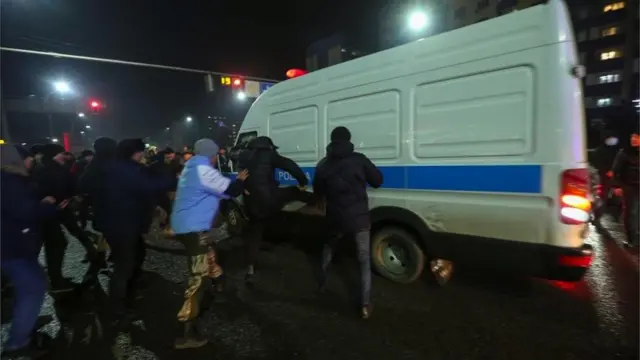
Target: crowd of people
<point>117,188</point>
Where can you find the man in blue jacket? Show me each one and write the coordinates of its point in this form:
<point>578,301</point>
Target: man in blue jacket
<point>200,188</point>
<point>22,213</point>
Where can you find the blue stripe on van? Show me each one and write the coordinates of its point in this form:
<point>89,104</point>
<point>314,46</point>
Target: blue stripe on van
<point>526,179</point>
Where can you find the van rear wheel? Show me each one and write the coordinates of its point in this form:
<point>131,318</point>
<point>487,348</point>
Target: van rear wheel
<point>396,255</point>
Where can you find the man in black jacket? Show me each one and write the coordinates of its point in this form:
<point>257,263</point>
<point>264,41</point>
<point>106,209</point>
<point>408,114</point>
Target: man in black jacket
<point>54,179</point>
<point>128,209</point>
<point>262,194</point>
<point>626,168</point>
<point>342,178</point>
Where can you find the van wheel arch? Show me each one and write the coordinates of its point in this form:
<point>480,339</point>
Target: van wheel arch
<point>397,231</point>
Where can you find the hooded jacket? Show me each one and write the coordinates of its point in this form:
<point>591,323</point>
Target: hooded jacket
<point>342,178</point>
<point>261,159</point>
<point>200,189</point>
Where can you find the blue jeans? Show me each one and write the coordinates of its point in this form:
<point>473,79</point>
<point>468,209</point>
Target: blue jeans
<point>30,285</point>
<point>364,259</point>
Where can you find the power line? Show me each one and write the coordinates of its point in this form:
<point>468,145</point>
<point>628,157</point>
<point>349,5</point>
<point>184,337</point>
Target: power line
<point>133,63</point>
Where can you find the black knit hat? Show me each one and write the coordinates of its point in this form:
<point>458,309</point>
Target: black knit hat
<point>340,133</point>
<point>49,151</point>
<point>127,147</point>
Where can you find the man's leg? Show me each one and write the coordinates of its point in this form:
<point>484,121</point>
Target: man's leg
<point>631,215</point>
<point>253,239</point>
<point>325,260</point>
<point>123,247</point>
<point>364,258</point>
<point>55,246</point>
<point>30,287</point>
<point>202,265</point>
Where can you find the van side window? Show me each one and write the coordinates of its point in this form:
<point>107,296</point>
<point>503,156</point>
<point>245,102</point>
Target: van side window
<point>245,138</point>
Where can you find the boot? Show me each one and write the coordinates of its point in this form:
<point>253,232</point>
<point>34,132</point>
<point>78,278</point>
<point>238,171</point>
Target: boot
<point>191,339</point>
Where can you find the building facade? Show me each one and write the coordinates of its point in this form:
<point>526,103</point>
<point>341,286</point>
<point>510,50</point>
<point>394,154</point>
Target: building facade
<point>330,51</point>
<point>607,37</point>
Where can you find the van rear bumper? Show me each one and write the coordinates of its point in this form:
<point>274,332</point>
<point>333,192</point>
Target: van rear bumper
<point>567,264</point>
<point>535,260</point>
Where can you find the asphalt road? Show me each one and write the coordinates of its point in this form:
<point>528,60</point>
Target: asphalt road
<point>479,315</point>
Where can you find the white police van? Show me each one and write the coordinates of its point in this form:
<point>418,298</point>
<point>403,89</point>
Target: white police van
<point>479,133</point>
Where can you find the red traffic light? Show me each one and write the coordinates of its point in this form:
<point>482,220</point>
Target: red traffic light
<point>237,83</point>
<point>96,106</point>
<point>294,73</point>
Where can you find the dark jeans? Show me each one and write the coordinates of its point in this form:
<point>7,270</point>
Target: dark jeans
<point>362,240</point>
<point>30,285</point>
<point>55,246</point>
<point>128,252</point>
<point>253,239</point>
<point>166,204</point>
<point>83,214</point>
<point>631,214</point>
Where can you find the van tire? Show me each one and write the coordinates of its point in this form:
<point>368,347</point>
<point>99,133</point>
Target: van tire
<point>396,255</point>
<point>234,217</point>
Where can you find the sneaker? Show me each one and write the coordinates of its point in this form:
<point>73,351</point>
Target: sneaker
<point>365,311</point>
<point>193,342</point>
<point>192,338</point>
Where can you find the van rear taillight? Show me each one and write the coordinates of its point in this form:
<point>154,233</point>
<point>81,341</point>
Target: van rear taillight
<point>575,203</point>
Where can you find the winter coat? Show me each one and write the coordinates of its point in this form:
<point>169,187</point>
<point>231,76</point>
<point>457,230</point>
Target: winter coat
<point>93,180</point>
<point>342,178</point>
<point>22,213</point>
<point>128,197</point>
<point>200,189</point>
<point>261,159</point>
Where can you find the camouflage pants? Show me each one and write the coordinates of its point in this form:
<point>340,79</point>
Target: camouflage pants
<point>202,265</point>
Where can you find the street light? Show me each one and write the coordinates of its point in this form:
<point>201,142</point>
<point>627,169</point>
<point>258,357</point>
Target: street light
<point>418,21</point>
<point>80,115</point>
<point>55,140</point>
<point>241,96</point>
<point>88,127</point>
<point>62,87</point>
<point>189,119</point>
<point>167,129</point>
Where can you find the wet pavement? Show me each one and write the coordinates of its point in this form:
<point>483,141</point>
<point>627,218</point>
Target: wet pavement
<point>479,315</point>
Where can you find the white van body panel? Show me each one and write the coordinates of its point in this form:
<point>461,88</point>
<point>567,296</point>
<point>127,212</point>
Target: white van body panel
<point>471,128</point>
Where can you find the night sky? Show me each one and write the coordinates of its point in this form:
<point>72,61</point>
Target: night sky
<point>241,37</point>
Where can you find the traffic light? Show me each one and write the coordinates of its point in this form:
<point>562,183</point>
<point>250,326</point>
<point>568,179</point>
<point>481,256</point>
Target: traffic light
<point>96,106</point>
<point>234,82</point>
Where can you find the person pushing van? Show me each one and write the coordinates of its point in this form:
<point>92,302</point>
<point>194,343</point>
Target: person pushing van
<point>342,178</point>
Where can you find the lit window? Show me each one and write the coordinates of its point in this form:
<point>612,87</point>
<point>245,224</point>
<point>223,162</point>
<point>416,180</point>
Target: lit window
<point>611,54</point>
<point>613,7</point>
<point>604,102</point>
<point>609,78</point>
<point>610,31</point>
